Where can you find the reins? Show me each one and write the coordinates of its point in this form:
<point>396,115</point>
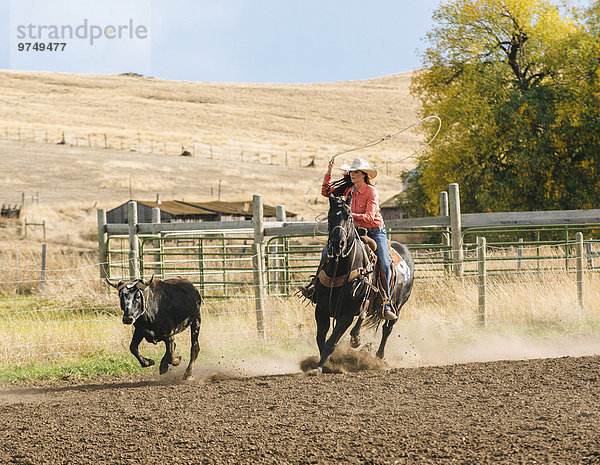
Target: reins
<point>355,273</point>
<point>350,249</point>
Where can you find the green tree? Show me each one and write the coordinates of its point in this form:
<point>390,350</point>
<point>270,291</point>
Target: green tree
<point>516,85</point>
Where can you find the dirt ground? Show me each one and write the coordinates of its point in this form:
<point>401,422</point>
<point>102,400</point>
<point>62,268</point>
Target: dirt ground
<point>543,410</point>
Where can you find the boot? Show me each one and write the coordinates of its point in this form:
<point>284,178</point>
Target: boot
<point>308,290</point>
<point>388,313</point>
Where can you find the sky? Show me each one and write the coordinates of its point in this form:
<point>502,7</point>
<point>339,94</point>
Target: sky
<point>287,41</point>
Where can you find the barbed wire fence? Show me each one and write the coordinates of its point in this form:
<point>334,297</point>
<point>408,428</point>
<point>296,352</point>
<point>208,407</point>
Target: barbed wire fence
<point>75,313</point>
<point>272,153</point>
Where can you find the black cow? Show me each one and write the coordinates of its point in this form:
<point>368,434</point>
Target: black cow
<point>159,309</point>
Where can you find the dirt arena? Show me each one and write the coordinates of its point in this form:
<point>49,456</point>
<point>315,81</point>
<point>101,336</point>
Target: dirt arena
<point>531,411</point>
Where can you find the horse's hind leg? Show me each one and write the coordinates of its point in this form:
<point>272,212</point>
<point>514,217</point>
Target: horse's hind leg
<point>195,331</point>
<point>355,333</point>
<point>386,331</point>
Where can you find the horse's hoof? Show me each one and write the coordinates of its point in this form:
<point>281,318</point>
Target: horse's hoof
<point>188,377</point>
<point>315,372</point>
<point>176,361</point>
<point>379,355</point>
<point>355,342</point>
<point>148,363</point>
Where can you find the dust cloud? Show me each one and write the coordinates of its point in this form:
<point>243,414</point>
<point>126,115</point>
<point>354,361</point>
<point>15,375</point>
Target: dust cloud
<point>412,344</point>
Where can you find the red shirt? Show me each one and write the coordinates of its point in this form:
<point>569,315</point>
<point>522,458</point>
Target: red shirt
<point>365,203</point>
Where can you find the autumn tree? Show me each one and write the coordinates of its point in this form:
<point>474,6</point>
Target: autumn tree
<point>516,85</point>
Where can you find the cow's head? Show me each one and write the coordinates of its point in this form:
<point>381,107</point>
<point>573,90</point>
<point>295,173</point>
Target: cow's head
<point>131,295</point>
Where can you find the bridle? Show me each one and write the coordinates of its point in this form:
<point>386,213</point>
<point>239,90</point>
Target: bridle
<point>348,249</point>
<point>344,254</point>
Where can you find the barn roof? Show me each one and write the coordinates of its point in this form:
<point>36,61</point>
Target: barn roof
<point>181,208</point>
<point>236,208</point>
<point>176,208</point>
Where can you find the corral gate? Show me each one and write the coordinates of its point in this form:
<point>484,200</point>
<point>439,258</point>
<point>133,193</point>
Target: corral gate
<point>230,258</point>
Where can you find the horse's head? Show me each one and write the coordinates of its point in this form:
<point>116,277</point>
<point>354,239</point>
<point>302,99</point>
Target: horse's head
<point>341,226</point>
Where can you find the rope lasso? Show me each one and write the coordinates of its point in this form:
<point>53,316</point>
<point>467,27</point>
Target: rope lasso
<point>373,143</point>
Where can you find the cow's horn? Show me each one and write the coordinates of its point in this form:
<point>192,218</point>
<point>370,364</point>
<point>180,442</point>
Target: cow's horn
<point>111,283</point>
<point>150,280</point>
<point>143,285</point>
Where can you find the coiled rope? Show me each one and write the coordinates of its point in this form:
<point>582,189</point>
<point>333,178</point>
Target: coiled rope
<point>372,144</point>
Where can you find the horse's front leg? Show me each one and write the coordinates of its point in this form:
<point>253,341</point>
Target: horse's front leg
<point>385,333</point>
<point>323,324</point>
<point>341,325</point>
<point>355,333</point>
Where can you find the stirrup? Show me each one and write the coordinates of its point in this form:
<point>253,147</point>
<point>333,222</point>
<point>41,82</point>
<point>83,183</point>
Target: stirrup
<point>387,311</point>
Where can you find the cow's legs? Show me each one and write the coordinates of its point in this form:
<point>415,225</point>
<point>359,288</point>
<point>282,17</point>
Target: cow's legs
<point>355,333</point>
<point>195,331</point>
<point>323,323</point>
<point>168,357</point>
<point>341,325</point>
<point>134,348</point>
<point>385,333</point>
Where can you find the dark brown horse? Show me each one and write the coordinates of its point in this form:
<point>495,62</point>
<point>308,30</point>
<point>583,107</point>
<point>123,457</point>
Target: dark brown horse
<point>345,279</point>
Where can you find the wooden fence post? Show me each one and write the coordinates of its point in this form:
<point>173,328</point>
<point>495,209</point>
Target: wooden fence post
<point>481,280</point>
<point>456,230</point>
<point>580,257</point>
<point>17,267</point>
<point>258,264</point>
<point>519,253</point>
<point>134,246</point>
<point>279,246</point>
<point>157,245</point>
<point>43,276</point>
<point>445,211</point>
<point>103,244</point>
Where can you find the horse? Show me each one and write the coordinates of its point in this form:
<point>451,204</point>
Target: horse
<point>345,280</point>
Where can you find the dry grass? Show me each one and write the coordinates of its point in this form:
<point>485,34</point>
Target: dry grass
<point>532,314</point>
<point>250,128</point>
<point>307,117</point>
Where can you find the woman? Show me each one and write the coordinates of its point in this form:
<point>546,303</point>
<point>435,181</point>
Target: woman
<point>365,212</point>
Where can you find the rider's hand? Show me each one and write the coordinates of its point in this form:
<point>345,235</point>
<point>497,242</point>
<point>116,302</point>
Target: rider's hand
<point>330,166</point>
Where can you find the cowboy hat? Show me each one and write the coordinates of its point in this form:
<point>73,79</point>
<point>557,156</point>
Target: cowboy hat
<point>359,164</point>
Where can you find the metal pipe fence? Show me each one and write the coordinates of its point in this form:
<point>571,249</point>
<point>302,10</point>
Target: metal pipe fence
<point>41,327</point>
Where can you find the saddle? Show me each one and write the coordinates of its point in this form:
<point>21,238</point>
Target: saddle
<point>376,296</point>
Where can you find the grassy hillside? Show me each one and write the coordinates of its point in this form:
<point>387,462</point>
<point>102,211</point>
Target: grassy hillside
<point>246,139</point>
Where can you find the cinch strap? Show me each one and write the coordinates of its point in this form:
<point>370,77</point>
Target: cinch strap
<point>339,281</point>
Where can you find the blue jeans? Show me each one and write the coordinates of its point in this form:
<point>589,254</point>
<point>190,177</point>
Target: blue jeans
<point>382,252</point>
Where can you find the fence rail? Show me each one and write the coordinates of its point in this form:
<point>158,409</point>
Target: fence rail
<point>43,326</point>
<point>247,273</point>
